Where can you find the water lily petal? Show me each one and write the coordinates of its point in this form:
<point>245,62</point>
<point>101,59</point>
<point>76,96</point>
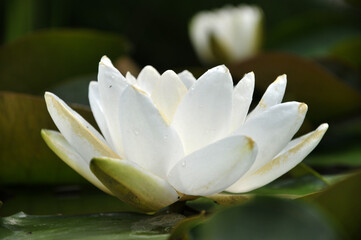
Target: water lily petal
<point>290,156</point>
<point>187,78</point>
<point>273,129</point>
<point>199,29</point>
<point>98,112</point>
<point>67,153</point>
<point>213,168</point>
<point>133,184</point>
<point>111,85</point>
<point>79,133</point>
<point>242,98</point>
<point>204,114</point>
<point>130,78</point>
<point>148,78</point>
<point>150,141</point>
<point>273,96</point>
<point>168,93</point>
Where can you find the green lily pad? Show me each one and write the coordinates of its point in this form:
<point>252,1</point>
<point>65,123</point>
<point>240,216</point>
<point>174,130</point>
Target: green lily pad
<point>95,226</point>
<point>74,90</point>
<point>342,201</point>
<point>285,188</point>
<point>327,96</point>
<point>350,157</point>
<point>38,61</point>
<point>299,186</point>
<point>262,218</point>
<point>54,200</point>
<point>24,156</point>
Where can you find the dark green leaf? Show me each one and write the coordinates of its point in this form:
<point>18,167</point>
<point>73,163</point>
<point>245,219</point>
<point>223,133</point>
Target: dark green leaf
<point>303,185</point>
<point>342,201</point>
<point>41,60</point>
<point>52,200</point>
<point>24,156</point>
<point>95,226</point>
<point>350,157</point>
<point>181,230</point>
<point>74,90</point>
<point>266,218</point>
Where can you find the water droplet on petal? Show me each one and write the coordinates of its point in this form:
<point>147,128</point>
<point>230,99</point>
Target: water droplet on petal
<point>136,132</point>
<point>191,90</point>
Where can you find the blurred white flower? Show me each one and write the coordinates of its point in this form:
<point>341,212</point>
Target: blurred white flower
<point>168,136</point>
<point>228,34</point>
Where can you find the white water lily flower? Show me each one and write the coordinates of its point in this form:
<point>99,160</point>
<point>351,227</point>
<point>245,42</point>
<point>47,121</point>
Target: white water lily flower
<point>227,34</point>
<point>165,137</point>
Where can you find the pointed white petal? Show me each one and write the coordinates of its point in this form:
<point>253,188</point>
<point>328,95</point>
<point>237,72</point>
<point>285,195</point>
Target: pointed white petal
<point>168,93</point>
<point>204,114</point>
<point>272,96</point>
<point>150,141</point>
<point>290,156</point>
<point>273,129</point>
<point>78,132</point>
<point>111,85</point>
<point>98,112</point>
<point>131,79</point>
<point>134,184</point>
<point>213,168</point>
<point>187,78</point>
<point>242,98</point>
<point>67,153</point>
<point>147,79</point>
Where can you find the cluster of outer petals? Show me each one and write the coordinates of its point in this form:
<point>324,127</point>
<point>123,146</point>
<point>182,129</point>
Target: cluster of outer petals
<point>188,136</point>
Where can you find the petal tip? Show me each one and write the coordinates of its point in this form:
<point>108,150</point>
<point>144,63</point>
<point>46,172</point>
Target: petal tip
<point>323,127</point>
<point>282,79</point>
<point>49,97</point>
<point>222,68</point>
<point>302,108</point>
<point>250,74</point>
<point>105,61</point>
<point>169,73</point>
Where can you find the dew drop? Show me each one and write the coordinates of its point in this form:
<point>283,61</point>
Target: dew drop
<point>191,90</point>
<point>183,163</point>
<point>136,132</point>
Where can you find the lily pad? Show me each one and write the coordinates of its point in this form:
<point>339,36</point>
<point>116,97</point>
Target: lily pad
<point>299,186</point>
<point>342,201</point>
<point>95,226</point>
<point>24,156</point>
<point>262,218</point>
<point>41,60</point>
<point>54,200</point>
<point>327,96</point>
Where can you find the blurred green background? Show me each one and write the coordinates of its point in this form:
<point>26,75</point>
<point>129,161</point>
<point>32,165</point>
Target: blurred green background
<point>56,46</point>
